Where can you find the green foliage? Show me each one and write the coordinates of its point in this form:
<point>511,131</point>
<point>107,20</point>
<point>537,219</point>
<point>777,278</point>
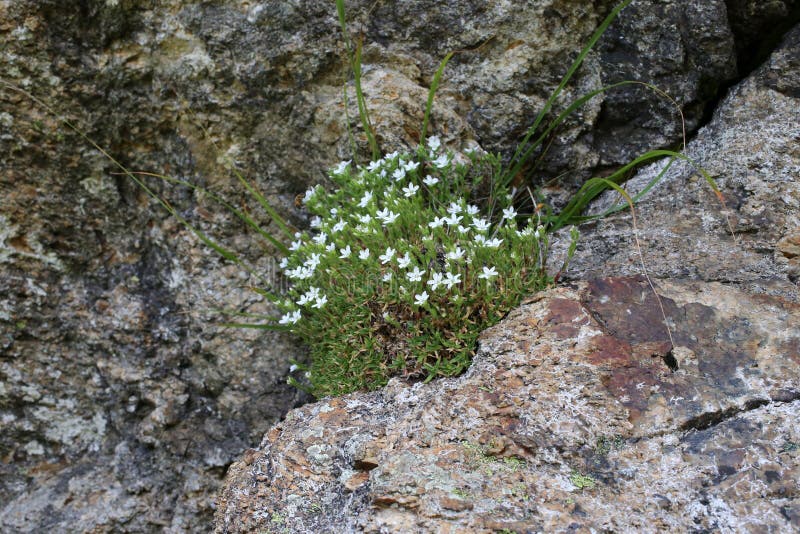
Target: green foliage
<point>582,481</point>
<point>408,260</point>
<point>606,444</point>
<point>480,457</point>
<point>354,60</point>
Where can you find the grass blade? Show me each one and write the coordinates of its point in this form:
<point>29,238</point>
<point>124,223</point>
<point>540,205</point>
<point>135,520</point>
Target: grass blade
<point>216,247</point>
<point>261,326</point>
<point>282,248</point>
<point>355,66</point>
<point>517,161</point>
<point>437,77</point>
<point>269,210</point>
<point>595,186</point>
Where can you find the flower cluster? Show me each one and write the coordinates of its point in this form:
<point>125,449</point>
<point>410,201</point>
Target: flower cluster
<point>407,260</point>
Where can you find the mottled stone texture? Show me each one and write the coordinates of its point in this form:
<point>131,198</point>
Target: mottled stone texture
<point>751,148</point>
<point>574,417</point>
<point>582,412</point>
<point>121,405</point>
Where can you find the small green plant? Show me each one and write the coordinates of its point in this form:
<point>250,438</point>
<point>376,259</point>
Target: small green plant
<point>513,463</point>
<point>790,446</point>
<point>582,481</point>
<point>478,455</point>
<point>461,493</point>
<point>606,444</point>
<point>408,260</point>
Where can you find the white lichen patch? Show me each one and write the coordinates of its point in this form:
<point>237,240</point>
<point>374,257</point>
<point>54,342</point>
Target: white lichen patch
<point>64,426</point>
<point>99,186</point>
<point>34,448</point>
<point>182,54</point>
<point>34,249</point>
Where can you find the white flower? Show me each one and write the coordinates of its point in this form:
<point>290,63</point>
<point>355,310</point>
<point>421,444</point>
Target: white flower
<point>430,180</point>
<point>293,368</point>
<point>321,300</point>
<point>404,262</point>
<point>375,165</point>
<point>509,213</point>
<point>463,229</point>
<point>284,263</point>
<point>364,219</point>
<point>472,209</point>
<point>363,228</point>
<point>321,238</point>
<point>334,211</point>
<point>452,279</point>
<point>391,156</point>
<point>387,257</point>
<point>399,174</point>
<point>421,299</point>
<point>442,161</point>
<point>434,143</point>
<point>296,245</point>
<point>528,230</point>
<point>309,194</point>
<point>308,296</point>
<point>387,277</point>
<point>494,243</point>
<point>316,222</point>
<point>453,219</point>
<point>410,190</point>
<point>480,225</point>
<point>415,275</point>
<point>411,166</point>
<point>480,239</point>
<point>345,252</point>
<point>338,227</point>
<point>312,262</point>
<point>330,247</point>
<point>365,199</point>
<point>436,223</point>
<point>390,218</point>
<point>341,167</point>
<point>457,254</point>
<point>454,208</point>
<point>302,273</point>
<point>290,318</point>
<point>383,173</point>
<point>436,280</point>
<point>364,254</point>
<point>488,273</point>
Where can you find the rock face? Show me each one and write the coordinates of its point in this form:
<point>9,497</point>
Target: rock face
<point>121,405</point>
<point>574,416</point>
<point>752,149</point>
<point>581,410</point>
